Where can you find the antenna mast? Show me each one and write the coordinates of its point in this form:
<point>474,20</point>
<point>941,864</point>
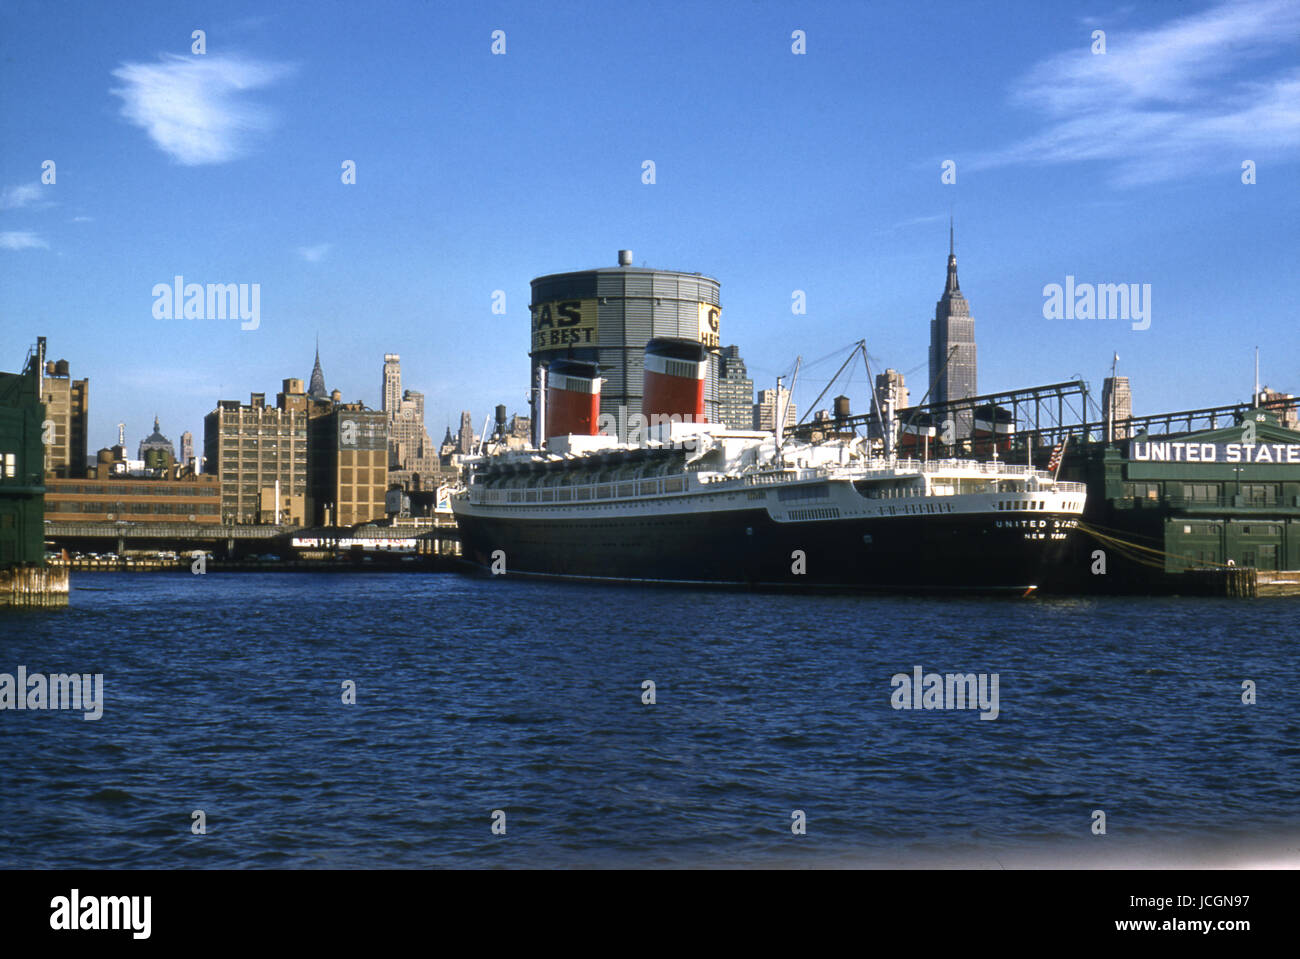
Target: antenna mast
<point>1110,407</point>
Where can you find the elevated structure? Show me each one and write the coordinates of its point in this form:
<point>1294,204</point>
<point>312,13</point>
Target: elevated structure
<point>1042,415</point>
<point>192,500</point>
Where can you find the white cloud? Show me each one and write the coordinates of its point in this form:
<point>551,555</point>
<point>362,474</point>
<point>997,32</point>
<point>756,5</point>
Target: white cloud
<point>17,197</point>
<point>83,219</point>
<point>21,240</point>
<point>314,254</point>
<point>193,107</point>
<point>1202,92</point>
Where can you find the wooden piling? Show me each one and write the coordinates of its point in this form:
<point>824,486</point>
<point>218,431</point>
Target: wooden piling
<point>34,586</point>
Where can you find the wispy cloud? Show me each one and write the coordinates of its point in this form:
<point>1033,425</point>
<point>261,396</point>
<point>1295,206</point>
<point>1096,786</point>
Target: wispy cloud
<point>1201,92</point>
<point>920,221</point>
<point>194,108</point>
<point>83,219</point>
<point>314,254</point>
<point>909,223</point>
<point>1110,19</point>
<point>21,240</point>
<point>17,197</point>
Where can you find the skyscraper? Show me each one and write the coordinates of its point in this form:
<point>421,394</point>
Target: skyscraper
<point>316,387</point>
<point>392,382</point>
<point>894,379</point>
<point>66,403</point>
<point>1117,405</point>
<point>735,391</point>
<point>465,438</point>
<point>765,411</point>
<point>410,449</point>
<point>187,448</point>
<point>952,344</point>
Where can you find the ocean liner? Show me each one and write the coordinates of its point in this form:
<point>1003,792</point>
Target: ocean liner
<point>691,502</point>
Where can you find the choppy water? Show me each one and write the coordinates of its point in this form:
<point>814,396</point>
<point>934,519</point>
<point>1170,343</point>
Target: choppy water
<point>223,693</point>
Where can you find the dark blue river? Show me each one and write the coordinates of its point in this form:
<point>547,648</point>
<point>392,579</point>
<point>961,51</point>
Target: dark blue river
<point>224,693</point>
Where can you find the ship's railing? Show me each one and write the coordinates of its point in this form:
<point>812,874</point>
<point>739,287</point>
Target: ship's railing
<point>679,483</point>
<point>972,466</point>
<point>583,492</point>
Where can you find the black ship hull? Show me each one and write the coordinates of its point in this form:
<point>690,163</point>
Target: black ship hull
<point>950,553</point>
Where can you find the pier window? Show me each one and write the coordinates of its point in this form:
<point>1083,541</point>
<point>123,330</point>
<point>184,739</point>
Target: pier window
<point>1259,494</point>
<point>1257,529</point>
<point>1142,491</point>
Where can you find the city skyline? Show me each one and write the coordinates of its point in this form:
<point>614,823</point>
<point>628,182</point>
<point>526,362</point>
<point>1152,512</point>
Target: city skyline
<point>442,435</point>
<point>1115,167</point>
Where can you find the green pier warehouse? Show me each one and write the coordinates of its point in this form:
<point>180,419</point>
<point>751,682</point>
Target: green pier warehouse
<point>25,580</point>
<point>1169,512</point>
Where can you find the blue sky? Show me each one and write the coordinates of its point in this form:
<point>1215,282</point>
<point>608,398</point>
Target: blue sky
<point>775,172</point>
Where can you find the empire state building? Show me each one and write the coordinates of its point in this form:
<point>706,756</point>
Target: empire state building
<point>952,344</point>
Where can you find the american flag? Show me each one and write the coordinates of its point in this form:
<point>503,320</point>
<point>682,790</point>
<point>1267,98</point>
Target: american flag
<point>1057,451</point>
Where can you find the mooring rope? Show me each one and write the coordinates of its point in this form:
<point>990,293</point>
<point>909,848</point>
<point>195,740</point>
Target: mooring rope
<point>1146,555</point>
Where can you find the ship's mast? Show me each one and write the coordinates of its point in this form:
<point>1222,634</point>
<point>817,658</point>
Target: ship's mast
<point>539,408</point>
<point>888,416</point>
<point>781,408</point>
<point>891,423</point>
<point>1254,402</point>
<point>779,424</point>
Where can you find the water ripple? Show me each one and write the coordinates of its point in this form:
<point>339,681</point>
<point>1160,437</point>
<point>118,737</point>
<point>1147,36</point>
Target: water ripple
<point>478,695</point>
